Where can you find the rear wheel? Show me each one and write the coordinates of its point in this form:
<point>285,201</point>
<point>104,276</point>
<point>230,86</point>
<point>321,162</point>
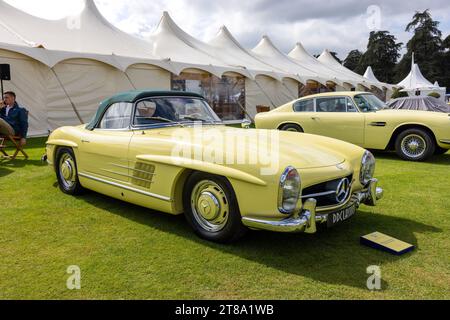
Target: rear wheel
<point>291,127</point>
<point>211,208</point>
<point>415,145</point>
<point>67,173</point>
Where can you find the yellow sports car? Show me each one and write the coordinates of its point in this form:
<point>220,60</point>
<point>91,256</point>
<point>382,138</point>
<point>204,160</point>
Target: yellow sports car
<point>362,119</point>
<point>169,151</point>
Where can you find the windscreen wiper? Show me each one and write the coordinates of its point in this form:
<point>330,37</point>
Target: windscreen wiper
<point>195,119</point>
<point>161,119</point>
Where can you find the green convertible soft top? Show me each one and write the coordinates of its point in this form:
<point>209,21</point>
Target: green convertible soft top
<point>133,96</point>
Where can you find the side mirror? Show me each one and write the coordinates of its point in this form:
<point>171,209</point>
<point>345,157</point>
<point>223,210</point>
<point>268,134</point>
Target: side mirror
<point>245,124</point>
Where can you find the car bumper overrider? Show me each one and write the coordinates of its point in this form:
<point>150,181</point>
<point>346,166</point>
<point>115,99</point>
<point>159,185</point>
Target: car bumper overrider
<point>306,219</point>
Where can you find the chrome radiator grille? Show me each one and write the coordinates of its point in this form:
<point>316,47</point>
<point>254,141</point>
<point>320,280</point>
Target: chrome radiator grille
<point>329,193</point>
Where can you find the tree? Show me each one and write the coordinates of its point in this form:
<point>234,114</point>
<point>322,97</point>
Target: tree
<point>427,46</point>
<point>382,55</point>
<point>444,63</point>
<point>335,55</point>
<point>353,59</point>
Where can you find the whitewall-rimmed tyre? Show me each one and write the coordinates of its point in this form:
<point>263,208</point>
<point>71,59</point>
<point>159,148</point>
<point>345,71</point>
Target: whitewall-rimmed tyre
<point>211,208</point>
<point>67,172</point>
<point>415,145</point>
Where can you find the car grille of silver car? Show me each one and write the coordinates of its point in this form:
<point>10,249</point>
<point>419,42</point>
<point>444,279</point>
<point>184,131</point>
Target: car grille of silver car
<point>329,193</point>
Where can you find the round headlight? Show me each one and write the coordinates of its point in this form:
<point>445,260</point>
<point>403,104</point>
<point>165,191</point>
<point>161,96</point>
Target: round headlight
<point>367,168</point>
<point>289,192</point>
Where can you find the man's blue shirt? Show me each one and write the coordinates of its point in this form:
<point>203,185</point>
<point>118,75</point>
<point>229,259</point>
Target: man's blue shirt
<point>17,118</point>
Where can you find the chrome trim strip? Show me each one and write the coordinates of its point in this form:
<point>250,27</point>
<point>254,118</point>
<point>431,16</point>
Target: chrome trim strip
<point>319,194</point>
<point>127,175</point>
<point>378,124</point>
<point>444,141</point>
<point>115,184</point>
<point>137,170</point>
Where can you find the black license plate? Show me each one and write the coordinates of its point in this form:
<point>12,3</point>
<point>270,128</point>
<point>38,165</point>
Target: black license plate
<point>340,216</point>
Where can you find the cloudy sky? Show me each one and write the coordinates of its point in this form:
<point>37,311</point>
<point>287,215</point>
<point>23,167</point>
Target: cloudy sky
<point>337,25</point>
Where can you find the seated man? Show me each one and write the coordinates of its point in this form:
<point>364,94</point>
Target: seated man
<point>14,115</point>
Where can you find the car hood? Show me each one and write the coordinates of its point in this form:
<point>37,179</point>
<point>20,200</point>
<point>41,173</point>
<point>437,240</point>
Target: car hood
<point>303,151</point>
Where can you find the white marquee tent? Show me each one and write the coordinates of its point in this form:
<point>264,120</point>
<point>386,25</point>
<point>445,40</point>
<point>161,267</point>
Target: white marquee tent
<point>61,69</point>
<point>369,75</point>
<point>327,58</point>
<point>416,84</point>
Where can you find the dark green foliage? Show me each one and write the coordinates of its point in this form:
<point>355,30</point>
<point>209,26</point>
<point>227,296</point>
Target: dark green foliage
<point>353,59</point>
<point>434,95</point>
<point>382,54</point>
<point>398,94</point>
<point>428,48</point>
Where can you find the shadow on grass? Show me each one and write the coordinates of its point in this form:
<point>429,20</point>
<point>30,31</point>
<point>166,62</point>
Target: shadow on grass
<point>21,163</point>
<point>331,256</point>
<point>443,159</point>
<point>4,172</point>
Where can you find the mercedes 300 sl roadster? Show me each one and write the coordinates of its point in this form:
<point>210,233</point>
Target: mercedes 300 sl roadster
<point>361,118</point>
<point>131,151</point>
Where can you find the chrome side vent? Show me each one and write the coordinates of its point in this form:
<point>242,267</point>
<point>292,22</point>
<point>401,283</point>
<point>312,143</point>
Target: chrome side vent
<point>143,174</point>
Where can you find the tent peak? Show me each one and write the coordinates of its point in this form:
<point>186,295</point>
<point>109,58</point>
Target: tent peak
<point>266,45</point>
<point>299,45</point>
<point>369,75</point>
<point>298,51</point>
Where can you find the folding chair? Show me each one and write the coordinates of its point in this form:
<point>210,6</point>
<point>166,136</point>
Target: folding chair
<point>7,134</point>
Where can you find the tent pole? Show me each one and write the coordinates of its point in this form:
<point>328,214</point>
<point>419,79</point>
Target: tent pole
<point>129,79</point>
<point>245,111</point>
<point>267,96</point>
<point>289,90</point>
<point>68,97</point>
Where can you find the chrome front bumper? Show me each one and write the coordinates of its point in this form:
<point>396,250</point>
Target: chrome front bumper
<point>306,219</point>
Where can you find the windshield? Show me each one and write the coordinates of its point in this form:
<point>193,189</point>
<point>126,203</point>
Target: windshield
<point>153,111</point>
<point>369,103</point>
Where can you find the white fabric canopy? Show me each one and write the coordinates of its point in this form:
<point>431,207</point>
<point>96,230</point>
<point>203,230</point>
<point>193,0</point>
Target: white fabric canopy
<point>415,81</point>
<point>369,75</point>
<point>327,58</point>
<point>63,68</point>
<point>301,56</point>
<point>267,52</point>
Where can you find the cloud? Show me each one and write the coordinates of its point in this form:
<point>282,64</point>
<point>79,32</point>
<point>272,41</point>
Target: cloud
<point>337,25</point>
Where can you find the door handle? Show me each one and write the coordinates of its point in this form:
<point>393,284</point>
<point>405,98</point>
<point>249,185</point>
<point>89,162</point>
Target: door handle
<point>315,118</point>
<point>85,141</point>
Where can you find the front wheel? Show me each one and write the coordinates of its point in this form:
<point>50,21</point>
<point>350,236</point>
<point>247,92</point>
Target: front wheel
<point>291,127</point>
<point>211,208</point>
<point>66,172</point>
<point>415,145</point>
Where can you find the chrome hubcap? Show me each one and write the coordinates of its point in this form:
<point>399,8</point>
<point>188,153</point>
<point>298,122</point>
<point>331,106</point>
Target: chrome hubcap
<point>210,206</point>
<point>67,171</point>
<point>414,146</point>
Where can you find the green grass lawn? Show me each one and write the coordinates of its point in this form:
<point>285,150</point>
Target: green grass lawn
<point>128,252</point>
